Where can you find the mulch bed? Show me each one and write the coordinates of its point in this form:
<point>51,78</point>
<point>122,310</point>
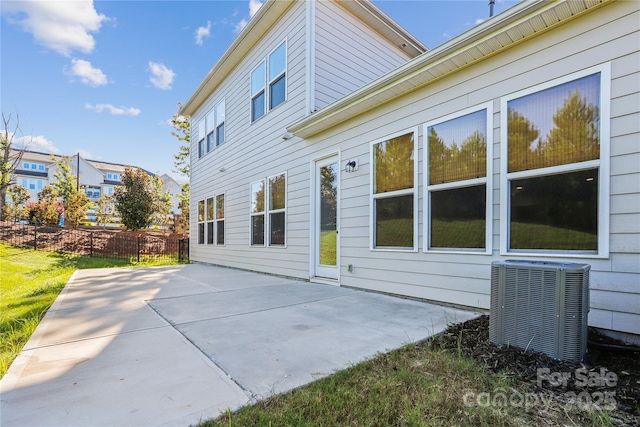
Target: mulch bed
<point>609,377</point>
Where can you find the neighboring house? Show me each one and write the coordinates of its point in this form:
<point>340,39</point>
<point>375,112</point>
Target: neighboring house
<point>517,139</point>
<point>36,170</point>
<point>174,189</point>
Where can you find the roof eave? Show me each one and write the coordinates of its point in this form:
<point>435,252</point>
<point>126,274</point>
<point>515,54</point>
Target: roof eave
<point>470,47</point>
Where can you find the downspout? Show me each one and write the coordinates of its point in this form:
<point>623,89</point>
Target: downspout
<point>310,47</point>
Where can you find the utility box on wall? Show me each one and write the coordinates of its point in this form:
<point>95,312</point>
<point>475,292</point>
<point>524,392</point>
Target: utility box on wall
<point>540,306</point>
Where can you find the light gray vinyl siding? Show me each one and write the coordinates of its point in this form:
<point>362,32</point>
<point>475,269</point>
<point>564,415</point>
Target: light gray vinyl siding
<point>253,151</point>
<point>608,35</point>
<point>348,53</point>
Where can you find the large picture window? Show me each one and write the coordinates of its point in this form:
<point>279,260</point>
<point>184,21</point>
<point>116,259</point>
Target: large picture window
<point>268,211</point>
<point>269,82</point>
<point>457,200</point>
<point>554,180</point>
<point>394,193</point>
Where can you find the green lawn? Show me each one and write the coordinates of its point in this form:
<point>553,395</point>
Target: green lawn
<point>328,247</point>
<point>29,284</point>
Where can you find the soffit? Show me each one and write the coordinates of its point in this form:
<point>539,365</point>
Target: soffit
<point>503,31</point>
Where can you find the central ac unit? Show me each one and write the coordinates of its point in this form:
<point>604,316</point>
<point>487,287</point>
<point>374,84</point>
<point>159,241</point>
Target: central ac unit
<point>540,306</point>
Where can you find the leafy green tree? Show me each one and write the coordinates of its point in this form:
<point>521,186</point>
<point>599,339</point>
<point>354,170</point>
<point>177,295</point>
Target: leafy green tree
<point>162,203</point>
<point>135,199</point>
<point>75,201</point>
<point>521,136</point>
<point>105,210</point>
<point>575,135</point>
<point>48,209</point>
<point>9,158</point>
<point>15,209</point>
<point>182,162</point>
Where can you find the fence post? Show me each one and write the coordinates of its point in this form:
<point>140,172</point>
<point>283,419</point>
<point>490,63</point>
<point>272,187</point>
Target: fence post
<point>138,248</point>
<point>35,236</point>
<point>91,243</point>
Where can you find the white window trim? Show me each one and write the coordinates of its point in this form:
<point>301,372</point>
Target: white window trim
<point>204,222</point>
<point>267,82</point>
<point>217,220</point>
<point>602,164</point>
<point>487,180</point>
<point>263,213</point>
<point>208,221</point>
<point>414,191</point>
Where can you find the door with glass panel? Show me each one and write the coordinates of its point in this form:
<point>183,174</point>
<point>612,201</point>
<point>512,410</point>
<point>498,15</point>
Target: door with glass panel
<point>326,249</point>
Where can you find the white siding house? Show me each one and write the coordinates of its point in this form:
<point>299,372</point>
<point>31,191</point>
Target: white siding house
<point>519,139</point>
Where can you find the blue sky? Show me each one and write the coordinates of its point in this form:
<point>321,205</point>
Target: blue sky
<point>103,78</point>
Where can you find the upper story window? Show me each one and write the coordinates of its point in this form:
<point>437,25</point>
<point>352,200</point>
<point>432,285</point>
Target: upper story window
<point>556,191</point>
<point>457,203</point>
<point>215,126</point>
<point>113,176</point>
<point>33,166</point>
<point>394,208</point>
<point>201,138</point>
<point>269,82</point>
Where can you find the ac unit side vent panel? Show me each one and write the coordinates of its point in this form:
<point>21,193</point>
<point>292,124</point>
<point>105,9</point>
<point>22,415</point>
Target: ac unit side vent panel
<point>540,306</point>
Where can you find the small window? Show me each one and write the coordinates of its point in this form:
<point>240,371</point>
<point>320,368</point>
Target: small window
<point>220,219</point>
<point>211,126</point>
<point>258,92</point>
<point>556,198</point>
<point>201,223</point>
<point>457,196</point>
<point>257,213</point>
<point>394,199</point>
<point>34,166</point>
<point>277,210</point>
<point>277,76</point>
<point>25,165</point>
<point>201,138</point>
<point>40,167</point>
<point>210,217</point>
<point>220,116</point>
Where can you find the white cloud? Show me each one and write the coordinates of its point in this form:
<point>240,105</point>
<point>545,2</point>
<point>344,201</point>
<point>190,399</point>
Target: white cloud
<point>115,111</point>
<point>203,32</point>
<point>161,76</point>
<point>88,75</point>
<point>85,154</point>
<point>34,143</point>
<point>254,7</point>
<point>479,21</point>
<point>64,26</point>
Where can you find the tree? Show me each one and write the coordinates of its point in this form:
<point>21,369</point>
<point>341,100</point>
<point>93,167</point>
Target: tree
<point>135,199</point>
<point>75,201</point>
<point>162,203</point>
<point>182,162</point>
<point>521,136</point>
<point>15,209</point>
<point>9,158</point>
<point>105,210</point>
<point>575,135</point>
<point>48,208</point>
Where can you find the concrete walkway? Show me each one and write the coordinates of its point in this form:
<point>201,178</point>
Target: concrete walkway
<point>176,345</point>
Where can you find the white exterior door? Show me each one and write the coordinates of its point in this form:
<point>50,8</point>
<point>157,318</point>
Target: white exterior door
<point>326,223</point>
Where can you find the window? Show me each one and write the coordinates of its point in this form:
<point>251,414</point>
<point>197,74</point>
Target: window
<point>271,73</point>
<point>457,203</point>
<point>393,206</point>
<point>556,191</point>
<point>211,126</point>
<point>277,209</point>
<point>220,219</point>
<point>201,138</point>
<point>201,222</point>
<point>257,213</point>
<point>112,176</point>
<point>268,211</point>
<point>110,191</point>
<point>220,116</point>
<point>210,220</point>
<point>40,167</point>
<point>25,165</point>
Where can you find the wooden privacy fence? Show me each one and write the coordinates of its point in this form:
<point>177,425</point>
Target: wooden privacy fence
<point>137,246</point>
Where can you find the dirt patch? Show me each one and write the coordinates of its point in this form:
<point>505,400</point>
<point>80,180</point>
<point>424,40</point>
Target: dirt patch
<point>608,379</point>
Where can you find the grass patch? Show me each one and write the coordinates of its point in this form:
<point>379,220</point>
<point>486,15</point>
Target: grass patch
<point>416,385</point>
<point>328,240</point>
<point>539,236</point>
<point>30,283</point>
